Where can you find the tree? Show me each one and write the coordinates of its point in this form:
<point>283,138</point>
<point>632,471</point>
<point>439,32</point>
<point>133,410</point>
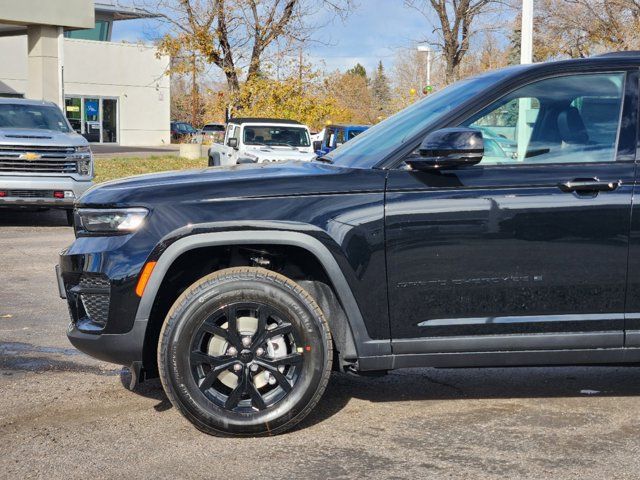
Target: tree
<point>381,91</point>
<point>357,70</point>
<point>300,96</point>
<point>235,34</point>
<point>453,25</point>
<point>352,96</point>
<point>580,28</point>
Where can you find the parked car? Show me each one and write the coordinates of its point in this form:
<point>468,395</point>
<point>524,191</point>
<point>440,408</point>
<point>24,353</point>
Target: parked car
<point>214,132</point>
<point>181,132</point>
<point>336,135</point>
<point>243,287</point>
<point>260,140</point>
<point>44,163</point>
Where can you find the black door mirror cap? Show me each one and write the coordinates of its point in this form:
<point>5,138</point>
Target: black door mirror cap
<point>232,142</point>
<point>449,148</point>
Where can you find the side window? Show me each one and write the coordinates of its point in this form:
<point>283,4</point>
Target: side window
<point>340,137</point>
<point>574,118</point>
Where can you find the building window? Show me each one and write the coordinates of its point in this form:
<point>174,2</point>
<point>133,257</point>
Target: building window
<point>100,32</point>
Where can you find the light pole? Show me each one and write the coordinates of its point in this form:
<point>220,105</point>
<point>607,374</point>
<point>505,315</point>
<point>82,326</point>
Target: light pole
<point>526,31</point>
<point>526,56</point>
<point>426,48</point>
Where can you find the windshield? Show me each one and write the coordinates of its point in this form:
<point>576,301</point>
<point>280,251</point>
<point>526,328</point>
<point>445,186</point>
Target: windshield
<point>213,128</point>
<point>276,136</point>
<point>38,117</point>
<point>373,145</point>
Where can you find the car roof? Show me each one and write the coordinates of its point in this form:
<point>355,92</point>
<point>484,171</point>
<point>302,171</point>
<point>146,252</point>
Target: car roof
<point>623,59</point>
<point>241,120</point>
<point>24,101</point>
<point>340,125</point>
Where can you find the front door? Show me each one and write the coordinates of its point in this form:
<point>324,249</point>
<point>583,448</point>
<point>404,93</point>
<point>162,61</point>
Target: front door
<point>534,239</point>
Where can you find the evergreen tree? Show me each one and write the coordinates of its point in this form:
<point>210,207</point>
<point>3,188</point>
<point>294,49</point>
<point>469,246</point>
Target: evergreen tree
<point>381,90</point>
<point>358,70</point>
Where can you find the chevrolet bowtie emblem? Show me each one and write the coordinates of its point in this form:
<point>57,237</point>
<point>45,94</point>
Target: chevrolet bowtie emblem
<point>30,156</point>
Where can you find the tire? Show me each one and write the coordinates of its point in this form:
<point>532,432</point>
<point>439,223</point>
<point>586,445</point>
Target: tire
<point>69,217</point>
<point>214,159</point>
<point>261,380</point>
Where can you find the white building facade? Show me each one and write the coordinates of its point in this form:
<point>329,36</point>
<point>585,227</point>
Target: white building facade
<point>112,92</point>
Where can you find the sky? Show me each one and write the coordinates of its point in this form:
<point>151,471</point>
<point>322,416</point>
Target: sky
<point>373,32</point>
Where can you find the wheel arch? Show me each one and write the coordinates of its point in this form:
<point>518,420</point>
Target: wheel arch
<point>345,320</point>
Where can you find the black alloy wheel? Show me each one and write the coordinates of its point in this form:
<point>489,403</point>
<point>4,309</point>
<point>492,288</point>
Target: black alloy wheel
<point>245,351</point>
<point>259,368</point>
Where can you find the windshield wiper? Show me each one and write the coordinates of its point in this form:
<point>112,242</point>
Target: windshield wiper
<point>324,159</point>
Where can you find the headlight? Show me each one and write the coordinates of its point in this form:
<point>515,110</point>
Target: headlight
<point>84,166</point>
<point>83,149</point>
<point>122,220</point>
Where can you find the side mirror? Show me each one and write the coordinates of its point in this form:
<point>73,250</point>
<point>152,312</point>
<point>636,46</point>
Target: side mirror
<point>449,148</point>
<point>317,145</point>
<point>232,142</point>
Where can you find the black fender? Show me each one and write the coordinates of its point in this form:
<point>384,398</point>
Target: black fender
<point>214,159</point>
<point>365,346</point>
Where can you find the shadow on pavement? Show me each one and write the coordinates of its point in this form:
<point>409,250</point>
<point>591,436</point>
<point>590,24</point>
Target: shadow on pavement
<point>32,218</point>
<point>456,384</point>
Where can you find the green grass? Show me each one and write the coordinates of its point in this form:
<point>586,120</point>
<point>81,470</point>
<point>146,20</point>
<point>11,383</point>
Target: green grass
<point>112,168</point>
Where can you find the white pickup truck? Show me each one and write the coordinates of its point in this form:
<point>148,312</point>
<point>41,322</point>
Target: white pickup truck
<point>258,140</point>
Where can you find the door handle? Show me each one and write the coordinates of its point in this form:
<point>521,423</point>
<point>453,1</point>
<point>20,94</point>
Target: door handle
<point>589,185</point>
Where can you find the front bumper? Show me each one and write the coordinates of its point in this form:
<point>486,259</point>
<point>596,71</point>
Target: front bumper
<point>97,276</point>
<point>34,191</point>
<point>120,348</point>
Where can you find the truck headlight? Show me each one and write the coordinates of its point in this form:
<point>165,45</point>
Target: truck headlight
<point>83,149</point>
<point>84,166</point>
<point>121,220</point>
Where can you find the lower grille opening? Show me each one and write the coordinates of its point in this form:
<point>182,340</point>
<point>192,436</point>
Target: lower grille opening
<point>89,302</point>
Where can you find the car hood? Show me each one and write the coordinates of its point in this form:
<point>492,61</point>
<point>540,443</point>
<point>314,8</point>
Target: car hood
<point>288,178</point>
<point>279,154</point>
<point>40,137</point>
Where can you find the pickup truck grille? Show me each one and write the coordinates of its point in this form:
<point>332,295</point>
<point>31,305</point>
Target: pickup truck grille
<point>52,159</point>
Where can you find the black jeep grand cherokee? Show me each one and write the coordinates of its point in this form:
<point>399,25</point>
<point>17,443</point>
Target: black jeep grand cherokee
<point>490,224</point>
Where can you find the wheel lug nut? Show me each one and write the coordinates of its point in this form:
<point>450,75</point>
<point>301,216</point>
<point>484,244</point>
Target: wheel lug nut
<point>232,352</point>
<point>260,351</point>
<point>254,367</point>
<point>237,367</point>
<point>246,341</point>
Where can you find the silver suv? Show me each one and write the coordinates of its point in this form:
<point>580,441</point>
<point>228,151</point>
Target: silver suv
<point>44,163</point>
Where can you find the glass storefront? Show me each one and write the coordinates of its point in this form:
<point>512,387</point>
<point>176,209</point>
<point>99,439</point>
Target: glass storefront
<point>95,118</point>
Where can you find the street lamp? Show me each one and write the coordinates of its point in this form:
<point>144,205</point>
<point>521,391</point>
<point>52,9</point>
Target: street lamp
<point>426,48</point>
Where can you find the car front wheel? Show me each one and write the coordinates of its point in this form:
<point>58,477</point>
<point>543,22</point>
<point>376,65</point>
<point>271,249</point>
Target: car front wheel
<point>245,351</point>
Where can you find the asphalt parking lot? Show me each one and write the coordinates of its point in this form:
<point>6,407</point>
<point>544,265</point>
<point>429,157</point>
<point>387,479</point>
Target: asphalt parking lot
<point>65,415</point>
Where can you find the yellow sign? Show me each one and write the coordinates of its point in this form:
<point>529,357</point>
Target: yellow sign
<point>73,108</point>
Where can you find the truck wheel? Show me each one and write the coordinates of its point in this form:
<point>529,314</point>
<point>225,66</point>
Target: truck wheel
<point>214,159</point>
<point>245,352</point>
<point>69,217</point>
